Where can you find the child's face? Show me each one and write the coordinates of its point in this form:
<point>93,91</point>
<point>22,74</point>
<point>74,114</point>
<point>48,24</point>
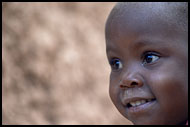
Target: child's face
<point>149,77</point>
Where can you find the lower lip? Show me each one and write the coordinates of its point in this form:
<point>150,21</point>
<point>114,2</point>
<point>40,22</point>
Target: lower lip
<point>141,108</point>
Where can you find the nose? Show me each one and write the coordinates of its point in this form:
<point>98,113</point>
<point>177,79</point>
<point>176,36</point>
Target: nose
<point>131,80</point>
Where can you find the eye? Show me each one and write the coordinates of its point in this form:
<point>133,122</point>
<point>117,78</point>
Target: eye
<point>150,57</point>
<point>116,64</point>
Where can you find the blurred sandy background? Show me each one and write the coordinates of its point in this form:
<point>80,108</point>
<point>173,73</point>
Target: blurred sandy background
<point>54,68</point>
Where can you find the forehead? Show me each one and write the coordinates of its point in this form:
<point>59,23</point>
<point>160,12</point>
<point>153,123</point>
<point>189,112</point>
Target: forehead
<point>153,20</point>
<point>170,12</point>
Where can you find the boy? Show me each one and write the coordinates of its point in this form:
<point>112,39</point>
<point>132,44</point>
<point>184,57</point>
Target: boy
<point>147,48</point>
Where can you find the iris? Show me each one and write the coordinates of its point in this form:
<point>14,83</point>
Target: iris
<point>116,64</point>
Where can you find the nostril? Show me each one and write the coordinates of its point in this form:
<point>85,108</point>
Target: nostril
<point>123,86</point>
<point>134,83</point>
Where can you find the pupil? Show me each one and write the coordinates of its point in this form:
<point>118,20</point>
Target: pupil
<point>149,59</point>
<point>117,64</point>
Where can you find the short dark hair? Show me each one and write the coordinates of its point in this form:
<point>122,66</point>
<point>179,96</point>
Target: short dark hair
<point>177,12</point>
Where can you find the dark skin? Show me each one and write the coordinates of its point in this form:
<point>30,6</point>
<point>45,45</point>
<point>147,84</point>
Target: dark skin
<point>149,60</point>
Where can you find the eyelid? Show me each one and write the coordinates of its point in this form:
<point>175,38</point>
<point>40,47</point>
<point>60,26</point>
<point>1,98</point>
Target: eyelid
<point>111,64</point>
<point>150,53</point>
<point>110,59</point>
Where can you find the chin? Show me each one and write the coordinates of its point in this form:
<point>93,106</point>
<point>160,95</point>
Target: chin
<point>155,123</point>
<point>146,122</point>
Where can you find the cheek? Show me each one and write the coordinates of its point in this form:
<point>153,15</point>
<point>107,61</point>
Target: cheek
<point>113,90</point>
<point>170,81</point>
<point>171,90</point>
<point>168,87</point>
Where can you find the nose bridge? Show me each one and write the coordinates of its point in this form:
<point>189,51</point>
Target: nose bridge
<point>131,77</point>
<point>130,70</point>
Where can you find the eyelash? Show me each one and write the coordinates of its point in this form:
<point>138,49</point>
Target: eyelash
<point>116,64</point>
<point>148,58</point>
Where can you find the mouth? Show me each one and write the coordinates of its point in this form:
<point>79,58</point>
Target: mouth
<point>133,104</point>
<point>139,105</point>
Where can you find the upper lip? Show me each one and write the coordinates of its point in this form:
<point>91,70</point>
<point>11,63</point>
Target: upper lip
<point>125,101</point>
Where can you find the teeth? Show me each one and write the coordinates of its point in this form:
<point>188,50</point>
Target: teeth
<point>137,103</point>
<point>133,104</point>
<point>143,101</point>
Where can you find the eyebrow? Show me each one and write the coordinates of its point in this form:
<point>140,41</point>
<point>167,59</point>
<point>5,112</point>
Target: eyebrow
<point>147,42</point>
<point>108,49</point>
<point>142,43</point>
<point>138,44</point>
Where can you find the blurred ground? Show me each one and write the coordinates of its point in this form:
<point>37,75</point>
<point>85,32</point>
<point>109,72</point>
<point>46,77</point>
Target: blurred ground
<point>54,66</point>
